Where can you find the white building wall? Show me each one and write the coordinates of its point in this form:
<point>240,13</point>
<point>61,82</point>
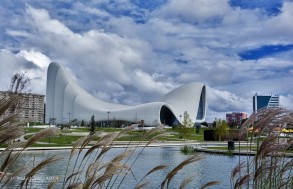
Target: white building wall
<point>66,99</point>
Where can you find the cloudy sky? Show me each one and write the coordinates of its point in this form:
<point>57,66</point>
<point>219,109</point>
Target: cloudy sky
<point>135,51</point>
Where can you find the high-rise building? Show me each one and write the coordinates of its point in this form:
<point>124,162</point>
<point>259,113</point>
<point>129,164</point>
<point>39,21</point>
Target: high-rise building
<point>265,101</point>
<point>235,118</point>
<point>31,108</point>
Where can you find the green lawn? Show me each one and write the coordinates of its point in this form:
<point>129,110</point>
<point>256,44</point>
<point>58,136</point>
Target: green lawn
<point>31,129</point>
<point>63,137</point>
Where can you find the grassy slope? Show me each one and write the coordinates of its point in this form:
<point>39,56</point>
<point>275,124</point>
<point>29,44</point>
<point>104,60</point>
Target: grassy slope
<point>65,137</point>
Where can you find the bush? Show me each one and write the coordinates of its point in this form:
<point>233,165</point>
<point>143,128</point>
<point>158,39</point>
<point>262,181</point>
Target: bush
<point>186,149</point>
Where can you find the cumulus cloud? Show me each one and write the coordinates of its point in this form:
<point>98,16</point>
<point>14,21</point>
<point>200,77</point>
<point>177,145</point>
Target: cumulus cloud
<point>286,101</point>
<point>36,57</point>
<point>132,53</point>
<point>195,11</point>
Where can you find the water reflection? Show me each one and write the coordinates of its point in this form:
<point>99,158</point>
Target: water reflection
<point>212,167</point>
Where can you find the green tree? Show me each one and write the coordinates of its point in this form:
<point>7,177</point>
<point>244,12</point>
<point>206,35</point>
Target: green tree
<point>222,129</point>
<point>183,129</point>
<point>205,123</point>
<point>83,123</point>
<point>93,125</point>
<point>214,124</point>
<point>187,121</point>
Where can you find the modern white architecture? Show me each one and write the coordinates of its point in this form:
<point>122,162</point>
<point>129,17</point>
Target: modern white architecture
<point>64,98</point>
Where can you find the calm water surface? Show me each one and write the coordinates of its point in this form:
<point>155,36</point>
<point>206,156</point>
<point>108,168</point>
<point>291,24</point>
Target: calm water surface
<point>212,167</point>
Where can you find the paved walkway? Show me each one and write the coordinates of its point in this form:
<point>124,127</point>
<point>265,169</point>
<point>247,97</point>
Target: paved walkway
<point>198,146</point>
<point>123,144</point>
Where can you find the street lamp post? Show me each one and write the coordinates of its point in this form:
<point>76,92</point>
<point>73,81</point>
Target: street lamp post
<point>69,117</point>
<point>108,118</point>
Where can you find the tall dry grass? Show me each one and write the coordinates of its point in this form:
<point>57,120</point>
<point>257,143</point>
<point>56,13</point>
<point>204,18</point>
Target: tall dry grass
<point>86,167</point>
<point>271,167</point>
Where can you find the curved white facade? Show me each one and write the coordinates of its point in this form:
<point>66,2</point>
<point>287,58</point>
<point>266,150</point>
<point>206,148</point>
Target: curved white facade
<point>65,98</point>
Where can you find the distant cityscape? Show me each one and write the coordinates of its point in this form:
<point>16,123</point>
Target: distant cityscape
<point>33,107</point>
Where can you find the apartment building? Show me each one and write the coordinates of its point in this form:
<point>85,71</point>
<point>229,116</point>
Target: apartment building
<point>31,107</point>
<point>235,118</point>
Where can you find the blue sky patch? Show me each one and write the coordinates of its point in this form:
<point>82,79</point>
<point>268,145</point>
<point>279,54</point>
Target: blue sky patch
<point>271,7</point>
<point>181,61</point>
<point>149,4</point>
<point>264,51</point>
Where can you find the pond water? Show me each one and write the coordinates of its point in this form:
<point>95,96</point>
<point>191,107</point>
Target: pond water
<point>212,167</point>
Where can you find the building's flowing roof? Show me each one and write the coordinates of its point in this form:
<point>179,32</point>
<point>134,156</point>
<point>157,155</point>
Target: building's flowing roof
<point>67,100</point>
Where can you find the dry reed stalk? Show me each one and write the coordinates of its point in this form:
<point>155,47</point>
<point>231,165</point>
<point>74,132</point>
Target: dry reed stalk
<point>185,182</point>
<point>261,171</point>
<point>38,167</point>
<point>92,167</point>
<point>268,146</point>
<point>71,176</point>
<point>150,132</point>
<point>157,168</point>
<point>124,131</point>
<point>91,149</point>
<point>84,142</point>
<point>104,150</point>
<point>141,185</point>
<point>237,170</point>
<point>212,183</point>
<point>20,170</point>
<point>52,183</point>
<point>81,143</point>
<point>88,181</point>
<point>76,145</point>
<point>113,170</point>
<point>87,140</point>
<point>8,120</point>
<point>249,122</point>
<point>10,135</point>
<point>5,104</point>
<point>44,133</point>
<point>10,129</point>
<point>155,138</point>
<point>288,166</point>
<point>103,142</point>
<point>241,181</point>
<point>6,161</point>
<point>75,186</point>
<point>107,139</point>
<point>4,176</point>
<point>174,171</point>
<point>115,164</point>
<point>268,165</point>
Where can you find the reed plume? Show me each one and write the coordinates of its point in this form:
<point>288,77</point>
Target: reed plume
<point>185,182</point>
<point>212,183</point>
<point>38,167</point>
<point>174,171</point>
<point>269,167</point>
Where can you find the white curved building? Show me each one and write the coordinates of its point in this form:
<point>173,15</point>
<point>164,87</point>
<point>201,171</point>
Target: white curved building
<point>65,98</point>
